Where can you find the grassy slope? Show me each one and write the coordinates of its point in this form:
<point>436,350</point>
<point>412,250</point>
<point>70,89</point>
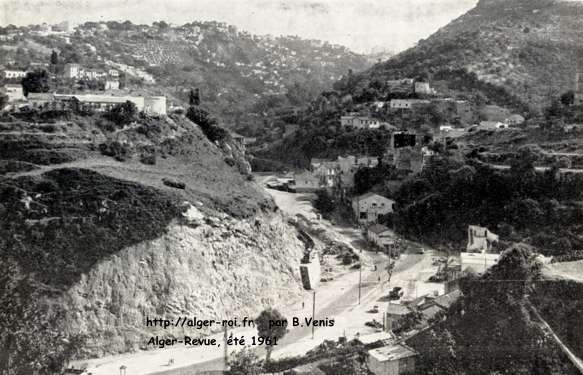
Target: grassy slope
<point>89,207</point>
<point>528,48</point>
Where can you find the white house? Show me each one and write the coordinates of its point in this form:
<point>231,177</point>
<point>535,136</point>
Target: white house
<point>306,182</point>
<point>14,92</point>
<point>480,239</point>
<point>380,235</point>
<point>111,84</point>
<point>14,74</point>
<point>368,207</point>
<point>359,122</point>
<point>423,88</point>
<point>392,360</point>
<point>478,262</point>
<point>407,103</point>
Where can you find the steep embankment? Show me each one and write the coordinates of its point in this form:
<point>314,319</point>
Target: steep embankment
<point>110,223</point>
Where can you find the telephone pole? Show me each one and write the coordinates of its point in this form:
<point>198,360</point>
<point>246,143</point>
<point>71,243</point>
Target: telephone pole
<point>313,313</point>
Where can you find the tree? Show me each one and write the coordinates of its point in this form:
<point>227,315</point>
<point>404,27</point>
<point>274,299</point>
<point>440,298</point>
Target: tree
<point>54,58</point>
<point>123,113</point>
<point>3,100</point>
<point>324,202</point>
<point>31,340</point>
<point>37,81</point>
<point>244,362</point>
<point>568,98</point>
<point>268,327</point>
<point>194,97</point>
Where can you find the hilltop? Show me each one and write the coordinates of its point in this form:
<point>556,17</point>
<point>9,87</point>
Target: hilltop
<point>515,53</point>
<point>233,69</point>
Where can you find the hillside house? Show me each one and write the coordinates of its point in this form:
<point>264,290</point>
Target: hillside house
<point>306,182</point>
<point>367,208</point>
<point>395,316</point>
<point>328,171</point>
<point>407,103</point>
<point>14,92</point>
<point>111,84</point>
<point>392,360</point>
<point>381,236</point>
<point>155,105</point>
<point>13,74</point>
<point>515,120</point>
<point>411,159</point>
<point>359,122</point>
<point>480,239</point>
<point>423,88</point>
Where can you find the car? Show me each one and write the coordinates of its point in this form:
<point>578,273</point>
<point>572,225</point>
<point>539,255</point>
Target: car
<point>421,251</point>
<point>396,293</point>
<point>374,310</point>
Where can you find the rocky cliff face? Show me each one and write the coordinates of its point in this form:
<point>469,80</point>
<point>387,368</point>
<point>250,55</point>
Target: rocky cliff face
<point>219,270</point>
<point>92,245</point>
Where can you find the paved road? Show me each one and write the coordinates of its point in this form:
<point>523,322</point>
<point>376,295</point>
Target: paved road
<point>336,300</point>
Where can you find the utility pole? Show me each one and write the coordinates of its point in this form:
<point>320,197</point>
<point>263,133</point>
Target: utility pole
<point>225,350</point>
<point>359,280</point>
<point>313,312</point>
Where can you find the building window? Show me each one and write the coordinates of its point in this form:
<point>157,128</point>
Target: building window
<point>363,215</point>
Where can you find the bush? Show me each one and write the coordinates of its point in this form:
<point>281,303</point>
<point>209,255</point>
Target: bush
<point>174,183</point>
<point>119,151</point>
<point>207,124</point>
<point>123,113</point>
<point>148,155</point>
<point>230,161</point>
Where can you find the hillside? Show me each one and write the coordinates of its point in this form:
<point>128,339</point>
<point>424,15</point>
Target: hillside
<point>104,223</point>
<point>517,53</point>
<point>232,68</point>
<point>493,328</point>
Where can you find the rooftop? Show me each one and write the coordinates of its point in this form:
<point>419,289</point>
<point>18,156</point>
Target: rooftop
<point>392,353</point>
<point>448,299</point>
<point>375,337</point>
<point>378,228</point>
<point>397,309</point>
<point>369,195</point>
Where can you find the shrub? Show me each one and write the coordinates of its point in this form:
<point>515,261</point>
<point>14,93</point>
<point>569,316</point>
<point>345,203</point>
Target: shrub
<point>174,183</point>
<point>148,155</point>
<point>123,113</point>
<point>119,151</point>
<point>230,161</point>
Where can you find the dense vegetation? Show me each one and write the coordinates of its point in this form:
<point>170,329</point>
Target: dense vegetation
<point>560,302</point>
<point>438,204</point>
<point>491,328</point>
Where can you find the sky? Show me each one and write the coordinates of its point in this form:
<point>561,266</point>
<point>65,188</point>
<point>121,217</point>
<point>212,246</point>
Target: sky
<point>361,25</point>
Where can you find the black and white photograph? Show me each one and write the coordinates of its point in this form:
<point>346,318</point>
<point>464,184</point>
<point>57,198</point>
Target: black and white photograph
<point>291,187</point>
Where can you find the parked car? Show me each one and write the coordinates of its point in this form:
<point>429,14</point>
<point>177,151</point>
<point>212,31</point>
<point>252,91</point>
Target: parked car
<point>374,310</point>
<point>396,293</point>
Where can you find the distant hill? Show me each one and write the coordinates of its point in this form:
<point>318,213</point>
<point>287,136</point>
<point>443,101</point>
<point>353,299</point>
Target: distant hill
<point>518,53</point>
<point>232,68</point>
